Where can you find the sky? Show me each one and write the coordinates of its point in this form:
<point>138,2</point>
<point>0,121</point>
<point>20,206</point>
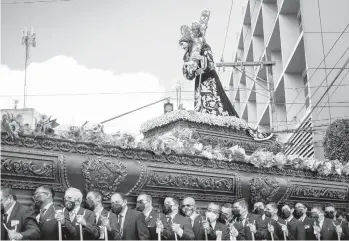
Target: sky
<point>96,59</point>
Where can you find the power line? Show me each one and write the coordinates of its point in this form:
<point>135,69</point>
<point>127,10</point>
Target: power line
<point>334,80</point>
<point>321,82</point>
<point>226,32</point>
<point>323,61</point>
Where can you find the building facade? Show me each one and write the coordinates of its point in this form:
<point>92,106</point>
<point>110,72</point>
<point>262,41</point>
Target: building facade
<point>309,41</point>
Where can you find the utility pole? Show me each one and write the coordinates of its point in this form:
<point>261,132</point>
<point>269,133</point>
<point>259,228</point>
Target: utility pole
<point>28,40</point>
<point>268,63</point>
<point>272,104</point>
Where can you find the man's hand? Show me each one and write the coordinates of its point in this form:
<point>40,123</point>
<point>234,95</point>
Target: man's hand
<point>206,225</point>
<point>106,223</point>
<point>59,216</point>
<point>253,228</point>
<point>159,226</point>
<point>271,228</point>
<point>233,232</point>
<point>176,228</point>
<point>13,235</point>
<point>339,230</point>
<point>80,219</point>
<point>284,229</point>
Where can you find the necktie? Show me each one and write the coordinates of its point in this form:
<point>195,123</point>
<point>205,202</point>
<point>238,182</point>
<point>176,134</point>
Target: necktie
<point>72,216</point>
<point>192,222</point>
<point>42,211</point>
<point>120,224</point>
<point>169,221</point>
<point>5,218</point>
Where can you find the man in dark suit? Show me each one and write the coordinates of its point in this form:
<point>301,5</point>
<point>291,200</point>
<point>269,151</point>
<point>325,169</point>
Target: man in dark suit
<point>227,218</point>
<point>18,221</point>
<point>189,211</point>
<point>180,226</point>
<point>264,224</point>
<point>300,213</point>
<point>131,222</point>
<point>295,228</point>
<point>46,217</point>
<point>331,213</point>
<point>324,227</point>
<point>215,230</point>
<point>248,220</point>
<point>77,215</point>
<point>154,220</point>
<point>105,220</point>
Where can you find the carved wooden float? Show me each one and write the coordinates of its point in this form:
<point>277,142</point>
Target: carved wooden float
<point>29,162</point>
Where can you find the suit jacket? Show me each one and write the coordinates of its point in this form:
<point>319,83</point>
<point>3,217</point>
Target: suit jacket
<point>295,229</point>
<point>71,229</point>
<point>151,220</point>
<point>345,228</point>
<point>212,233</point>
<point>114,233</point>
<point>262,228</point>
<point>308,224</point>
<point>22,218</point>
<point>185,224</point>
<point>134,226</point>
<point>198,229</point>
<point>328,230</point>
<point>48,224</point>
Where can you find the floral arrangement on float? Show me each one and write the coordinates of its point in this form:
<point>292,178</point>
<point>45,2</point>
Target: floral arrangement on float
<point>178,141</point>
<point>195,117</point>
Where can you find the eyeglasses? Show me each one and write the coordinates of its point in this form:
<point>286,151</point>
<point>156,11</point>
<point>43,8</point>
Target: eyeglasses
<point>38,193</point>
<point>186,205</point>
<point>213,211</point>
<point>142,201</point>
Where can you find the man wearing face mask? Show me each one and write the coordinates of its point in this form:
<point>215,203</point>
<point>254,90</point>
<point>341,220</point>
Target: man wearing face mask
<point>189,211</point>
<point>179,225</point>
<point>300,213</point>
<point>264,224</point>
<point>324,227</point>
<point>246,219</point>
<point>77,215</point>
<point>295,229</point>
<point>330,213</point>
<point>271,210</point>
<point>235,228</point>
<point>18,219</point>
<point>46,218</point>
<point>131,222</point>
<point>104,219</point>
<point>153,219</point>
<point>214,228</point>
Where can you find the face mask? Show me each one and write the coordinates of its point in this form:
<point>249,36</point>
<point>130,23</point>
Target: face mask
<point>286,214</point>
<point>140,207</point>
<point>167,209</point>
<point>329,215</point>
<point>298,213</point>
<point>315,216</point>
<point>69,205</point>
<point>116,208</point>
<point>211,217</point>
<point>188,211</point>
<point>259,211</point>
<point>268,214</point>
<point>236,213</point>
<point>90,204</point>
<point>223,218</point>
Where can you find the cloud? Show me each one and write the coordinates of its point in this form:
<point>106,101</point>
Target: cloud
<point>63,75</point>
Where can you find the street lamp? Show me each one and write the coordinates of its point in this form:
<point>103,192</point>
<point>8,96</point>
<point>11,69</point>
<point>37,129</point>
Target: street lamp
<point>28,40</point>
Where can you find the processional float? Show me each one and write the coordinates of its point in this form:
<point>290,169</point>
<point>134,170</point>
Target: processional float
<point>184,153</point>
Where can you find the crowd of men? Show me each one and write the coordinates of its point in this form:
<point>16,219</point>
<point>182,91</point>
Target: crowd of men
<point>177,221</point>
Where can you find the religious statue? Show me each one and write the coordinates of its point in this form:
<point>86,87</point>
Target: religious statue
<point>210,96</point>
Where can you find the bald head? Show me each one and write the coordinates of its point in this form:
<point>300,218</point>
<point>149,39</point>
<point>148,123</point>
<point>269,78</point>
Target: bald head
<point>188,206</point>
